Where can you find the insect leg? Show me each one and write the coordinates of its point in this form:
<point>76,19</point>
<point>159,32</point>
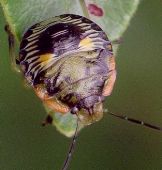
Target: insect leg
<point>48,120</point>
<point>135,121</point>
<point>11,43</point>
<point>71,149</point>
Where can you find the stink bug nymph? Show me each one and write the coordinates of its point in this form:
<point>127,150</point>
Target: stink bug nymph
<point>69,63</point>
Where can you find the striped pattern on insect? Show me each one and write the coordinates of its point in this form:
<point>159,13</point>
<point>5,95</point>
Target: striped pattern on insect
<point>69,63</point>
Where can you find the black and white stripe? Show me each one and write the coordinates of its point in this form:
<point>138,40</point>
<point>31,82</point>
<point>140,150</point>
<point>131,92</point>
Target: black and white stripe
<point>40,39</point>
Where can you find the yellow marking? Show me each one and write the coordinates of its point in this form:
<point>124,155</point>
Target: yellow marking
<point>86,42</point>
<point>45,57</point>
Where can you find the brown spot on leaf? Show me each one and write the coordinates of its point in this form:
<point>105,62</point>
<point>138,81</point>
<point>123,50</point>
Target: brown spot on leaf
<point>95,10</point>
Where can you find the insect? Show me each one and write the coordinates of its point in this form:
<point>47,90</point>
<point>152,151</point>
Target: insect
<point>69,63</point>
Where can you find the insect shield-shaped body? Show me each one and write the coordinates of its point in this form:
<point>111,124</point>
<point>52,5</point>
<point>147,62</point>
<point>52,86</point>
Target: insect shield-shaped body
<point>68,61</point>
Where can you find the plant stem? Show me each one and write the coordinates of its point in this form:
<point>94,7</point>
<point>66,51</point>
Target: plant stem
<point>9,21</point>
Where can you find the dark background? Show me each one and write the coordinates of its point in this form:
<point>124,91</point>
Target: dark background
<point>110,144</point>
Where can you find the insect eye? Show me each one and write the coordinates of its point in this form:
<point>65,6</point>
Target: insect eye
<point>74,110</point>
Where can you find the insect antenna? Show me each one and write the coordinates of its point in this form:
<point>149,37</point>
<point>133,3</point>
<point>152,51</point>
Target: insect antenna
<point>148,125</point>
<point>71,149</point>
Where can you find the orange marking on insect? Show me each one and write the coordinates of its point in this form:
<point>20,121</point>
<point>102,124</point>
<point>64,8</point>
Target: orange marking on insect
<point>41,92</point>
<point>109,83</point>
<point>51,102</point>
<point>111,63</point>
<point>56,106</point>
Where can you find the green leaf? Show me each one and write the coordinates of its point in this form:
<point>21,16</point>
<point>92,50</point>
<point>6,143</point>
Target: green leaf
<point>117,15</point>
<point>65,123</point>
<point>21,14</point>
